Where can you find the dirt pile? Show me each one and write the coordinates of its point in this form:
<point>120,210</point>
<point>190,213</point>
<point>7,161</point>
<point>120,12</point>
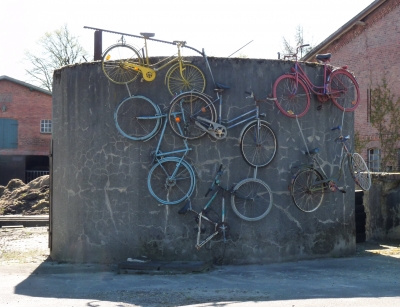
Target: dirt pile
<point>27,199</point>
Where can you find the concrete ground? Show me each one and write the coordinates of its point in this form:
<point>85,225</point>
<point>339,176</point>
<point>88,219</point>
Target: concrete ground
<point>370,278</point>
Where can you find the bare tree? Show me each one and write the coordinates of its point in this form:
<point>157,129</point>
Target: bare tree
<point>289,48</point>
<point>385,114</point>
<point>57,49</point>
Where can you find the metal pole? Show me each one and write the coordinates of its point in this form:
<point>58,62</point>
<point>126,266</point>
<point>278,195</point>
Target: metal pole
<point>98,45</point>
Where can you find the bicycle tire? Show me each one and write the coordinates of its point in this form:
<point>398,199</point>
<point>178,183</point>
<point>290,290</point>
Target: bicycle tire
<point>303,197</point>
<point>251,199</point>
<point>342,81</point>
<point>258,148</point>
<point>291,100</point>
<point>114,62</point>
<point>359,171</point>
<point>167,190</point>
<point>183,110</point>
<point>193,79</point>
<point>137,118</point>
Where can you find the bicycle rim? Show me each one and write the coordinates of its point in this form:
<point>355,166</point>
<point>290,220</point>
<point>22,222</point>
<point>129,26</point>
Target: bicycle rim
<point>167,188</point>
<point>344,90</point>
<point>292,98</point>
<point>258,145</point>
<point>184,110</point>
<point>251,199</point>
<point>137,118</point>
<point>191,78</point>
<point>305,194</point>
<point>360,172</point>
<point>115,63</point>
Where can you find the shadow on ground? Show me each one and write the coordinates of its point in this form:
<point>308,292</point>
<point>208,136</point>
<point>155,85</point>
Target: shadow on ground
<point>372,273</point>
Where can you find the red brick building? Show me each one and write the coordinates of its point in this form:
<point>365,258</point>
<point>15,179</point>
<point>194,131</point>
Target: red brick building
<point>370,45</point>
<point>25,130</point>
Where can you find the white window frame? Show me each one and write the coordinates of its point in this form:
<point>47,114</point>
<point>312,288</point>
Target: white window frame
<point>374,159</point>
<point>45,126</point>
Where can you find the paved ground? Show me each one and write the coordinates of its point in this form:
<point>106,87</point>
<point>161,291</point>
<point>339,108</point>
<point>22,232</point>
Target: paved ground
<point>371,278</point>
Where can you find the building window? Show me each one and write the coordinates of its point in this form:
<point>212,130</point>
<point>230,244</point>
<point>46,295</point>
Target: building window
<point>45,126</point>
<point>5,97</point>
<point>374,159</point>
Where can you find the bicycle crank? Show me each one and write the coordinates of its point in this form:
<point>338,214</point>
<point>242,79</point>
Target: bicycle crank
<point>218,131</point>
<point>148,74</point>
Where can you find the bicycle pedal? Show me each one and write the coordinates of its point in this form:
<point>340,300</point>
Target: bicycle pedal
<point>185,208</point>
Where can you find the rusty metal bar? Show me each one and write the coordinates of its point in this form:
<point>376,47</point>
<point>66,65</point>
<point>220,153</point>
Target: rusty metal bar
<point>137,36</point>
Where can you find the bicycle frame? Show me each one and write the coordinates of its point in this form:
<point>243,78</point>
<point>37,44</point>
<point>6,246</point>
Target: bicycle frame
<point>299,73</point>
<point>202,216</point>
<point>227,122</point>
<point>148,70</point>
<point>158,154</point>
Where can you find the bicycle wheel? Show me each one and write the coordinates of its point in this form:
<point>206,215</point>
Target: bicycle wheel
<point>251,199</point>
<point>292,98</point>
<point>171,180</point>
<point>360,172</point>
<point>306,195</point>
<point>184,110</point>
<point>192,78</point>
<point>344,90</point>
<point>137,118</point>
<point>115,63</point>
<point>258,144</point>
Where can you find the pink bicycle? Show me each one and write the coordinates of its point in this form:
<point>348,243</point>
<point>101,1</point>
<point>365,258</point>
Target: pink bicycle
<point>292,90</point>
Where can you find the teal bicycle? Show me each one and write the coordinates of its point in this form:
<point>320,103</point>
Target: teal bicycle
<point>251,200</point>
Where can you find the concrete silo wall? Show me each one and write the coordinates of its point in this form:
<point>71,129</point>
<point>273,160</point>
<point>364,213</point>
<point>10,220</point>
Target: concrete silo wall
<point>102,210</point>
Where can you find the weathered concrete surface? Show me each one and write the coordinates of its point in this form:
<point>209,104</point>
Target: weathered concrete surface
<point>102,210</point>
<point>382,207</point>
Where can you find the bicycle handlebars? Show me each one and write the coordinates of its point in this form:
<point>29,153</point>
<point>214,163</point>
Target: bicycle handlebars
<point>297,51</point>
<point>219,173</point>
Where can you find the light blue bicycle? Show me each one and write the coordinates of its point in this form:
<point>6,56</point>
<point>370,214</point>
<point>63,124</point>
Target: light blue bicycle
<point>171,179</point>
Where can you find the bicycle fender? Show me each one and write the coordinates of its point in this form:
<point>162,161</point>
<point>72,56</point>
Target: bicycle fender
<point>112,46</point>
<point>250,123</point>
<point>341,69</point>
<point>203,95</point>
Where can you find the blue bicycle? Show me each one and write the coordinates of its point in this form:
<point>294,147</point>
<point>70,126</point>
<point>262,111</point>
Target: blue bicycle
<point>193,115</point>
<point>171,179</point>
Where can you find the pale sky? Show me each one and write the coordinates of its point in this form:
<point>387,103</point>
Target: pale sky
<point>219,26</point>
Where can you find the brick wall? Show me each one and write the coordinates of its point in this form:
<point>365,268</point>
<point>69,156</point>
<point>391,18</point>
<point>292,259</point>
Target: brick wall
<point>29,108</point>
<point>371,51</point>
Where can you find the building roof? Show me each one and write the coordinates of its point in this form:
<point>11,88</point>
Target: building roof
<point>355,21</point>
<point>29,86</point>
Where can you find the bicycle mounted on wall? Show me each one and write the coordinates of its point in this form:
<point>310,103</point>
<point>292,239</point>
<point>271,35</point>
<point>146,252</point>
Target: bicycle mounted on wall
<point>292,90</point>
<point>123,63</point>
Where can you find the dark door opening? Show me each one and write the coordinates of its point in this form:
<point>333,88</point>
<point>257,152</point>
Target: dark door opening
<point>360,216</point>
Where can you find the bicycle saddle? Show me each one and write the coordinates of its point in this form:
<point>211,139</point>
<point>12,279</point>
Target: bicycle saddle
<point>146,35</point>
<point>220,87</point>
<point>323,57</point>
<point>313,151</point>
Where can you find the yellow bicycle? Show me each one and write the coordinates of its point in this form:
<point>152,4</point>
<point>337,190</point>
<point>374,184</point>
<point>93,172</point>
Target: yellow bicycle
<point>122,63</point>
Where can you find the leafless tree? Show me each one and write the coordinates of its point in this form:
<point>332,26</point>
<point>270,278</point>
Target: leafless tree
<point>57,49</point>
<point>289,48</point>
